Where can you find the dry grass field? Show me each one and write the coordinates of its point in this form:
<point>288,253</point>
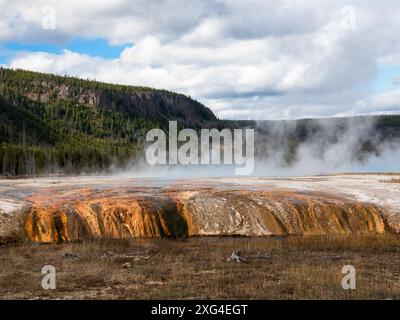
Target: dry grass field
<point>275,268</point>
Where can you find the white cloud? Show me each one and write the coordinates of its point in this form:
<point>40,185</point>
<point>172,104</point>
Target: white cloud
<point>248,59</point>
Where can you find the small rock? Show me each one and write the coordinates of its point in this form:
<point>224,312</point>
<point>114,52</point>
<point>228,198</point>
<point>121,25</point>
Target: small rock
<point>72,256</point>
<point>335,258</point>
<point>151,251</point>
<point>126,265</point>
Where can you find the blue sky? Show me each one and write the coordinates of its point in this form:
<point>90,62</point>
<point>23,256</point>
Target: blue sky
<point>384,79</point>
<point>386,76</point>
<point>233,56</point>
<point>94,47</point>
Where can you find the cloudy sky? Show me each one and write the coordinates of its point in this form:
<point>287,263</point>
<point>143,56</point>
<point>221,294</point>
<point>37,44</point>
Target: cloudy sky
<point>253,59</point>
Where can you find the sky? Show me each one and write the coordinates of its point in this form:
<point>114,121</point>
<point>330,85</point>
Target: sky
<point>248,59</point>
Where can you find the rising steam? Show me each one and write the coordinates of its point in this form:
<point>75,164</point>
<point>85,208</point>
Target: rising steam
<point>298,148</point>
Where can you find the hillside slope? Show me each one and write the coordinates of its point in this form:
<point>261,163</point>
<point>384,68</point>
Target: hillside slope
<point>53,124</point>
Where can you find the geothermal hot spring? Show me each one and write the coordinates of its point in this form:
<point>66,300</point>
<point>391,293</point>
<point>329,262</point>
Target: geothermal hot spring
<point>186,202</point>
<point>62,209</point>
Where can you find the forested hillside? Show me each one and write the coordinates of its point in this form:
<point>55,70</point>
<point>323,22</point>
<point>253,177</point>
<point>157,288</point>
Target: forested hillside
<point>53,124</point>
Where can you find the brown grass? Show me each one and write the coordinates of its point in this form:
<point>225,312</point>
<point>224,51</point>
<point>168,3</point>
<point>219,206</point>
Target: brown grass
<point>277,268</point>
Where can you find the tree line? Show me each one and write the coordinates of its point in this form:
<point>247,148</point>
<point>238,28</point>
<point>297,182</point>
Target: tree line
<point>61,136</point>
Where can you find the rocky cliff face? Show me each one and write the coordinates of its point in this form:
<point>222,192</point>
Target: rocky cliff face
<point>157,105</point>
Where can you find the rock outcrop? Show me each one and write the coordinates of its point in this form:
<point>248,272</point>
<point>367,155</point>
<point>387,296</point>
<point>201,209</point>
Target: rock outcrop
<point>130,101</point>
<point>91,214</point>
<point>51,210</point>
